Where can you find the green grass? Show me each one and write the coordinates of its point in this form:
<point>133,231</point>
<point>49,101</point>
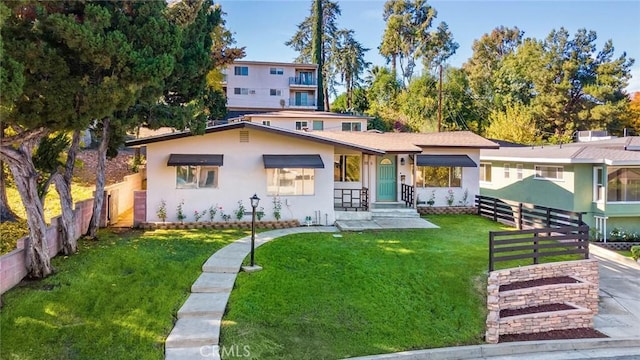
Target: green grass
<point>321,297</point>
<point>626,253</point>
<point>115,299</point>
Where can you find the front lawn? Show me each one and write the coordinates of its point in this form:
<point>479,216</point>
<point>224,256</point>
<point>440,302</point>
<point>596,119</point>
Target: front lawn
<point>326,297</point>
<point>115,299</point>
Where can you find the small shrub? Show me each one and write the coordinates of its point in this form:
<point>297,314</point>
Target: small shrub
<point>260,213</point>
<point>198,215</point>
<point>277,208</point>
<point>180,211</point>
<point>635,252</point>
<point>212,212</point>
<point>449,197</point>
<point>239,211</point>
<point>622,235</point>
<point>432,198</point>
<point>465,198</point>
<point>162,211</point>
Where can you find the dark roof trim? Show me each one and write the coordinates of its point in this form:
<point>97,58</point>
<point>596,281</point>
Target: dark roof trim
<point>248,125</point>
<point>445,160</point>
<point>195,159</point>
<point>302,161</point>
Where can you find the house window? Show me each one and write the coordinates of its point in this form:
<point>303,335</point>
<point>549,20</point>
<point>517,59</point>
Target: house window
<point>519,174</point>
<point>346,168</point>
<point>266,122</point>
<point>623,184</point>
<point>290,181</point>
<point>276,71</point>
<point>485,172</point>
<point>301,125</point>
<point>241,70</point>
<point>351,126</point>
<point>549,172</point>
<point>196,177</point>
<point>318,125</point>
<point>507,171</point>
<point>275,92</point>
<point>598,184</point>
<point>241,91</point>
<point>439,176</point>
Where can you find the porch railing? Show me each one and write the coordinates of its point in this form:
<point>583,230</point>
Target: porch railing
<point>351,199</point>
<point>407,193</point>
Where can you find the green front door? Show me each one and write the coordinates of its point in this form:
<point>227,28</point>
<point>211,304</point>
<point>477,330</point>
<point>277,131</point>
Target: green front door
<point>386,178</point>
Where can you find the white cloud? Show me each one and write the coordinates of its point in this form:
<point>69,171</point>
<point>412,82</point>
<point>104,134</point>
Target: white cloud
<point>634,82</point>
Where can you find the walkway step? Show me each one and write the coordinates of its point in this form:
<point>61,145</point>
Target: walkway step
<point>209,305</point>
<point>193,353</point>
<point>209,282</point>
<point>394,213</point>
<point>218,264</point>
<point>193,332</point>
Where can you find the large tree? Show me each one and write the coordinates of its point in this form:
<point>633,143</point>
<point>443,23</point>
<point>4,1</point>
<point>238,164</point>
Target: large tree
<point>409,37</point>
<point>350,62</point>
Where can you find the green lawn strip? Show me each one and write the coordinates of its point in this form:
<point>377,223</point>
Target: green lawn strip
<point>116,299</point>
<point>626,253</point>
<point>364,293</point>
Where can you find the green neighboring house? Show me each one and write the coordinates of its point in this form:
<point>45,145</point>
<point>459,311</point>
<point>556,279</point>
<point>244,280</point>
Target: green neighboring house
<point>598,178</point>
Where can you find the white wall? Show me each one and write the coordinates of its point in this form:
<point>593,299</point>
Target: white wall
<point>329,124</point>
<point>241,176</point>
<point>470,180</point>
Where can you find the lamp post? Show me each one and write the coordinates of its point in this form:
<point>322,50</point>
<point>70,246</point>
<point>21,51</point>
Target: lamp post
<point>254,204</point>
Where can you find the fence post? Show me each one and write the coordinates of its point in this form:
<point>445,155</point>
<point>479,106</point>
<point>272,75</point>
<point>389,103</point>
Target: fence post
<point>479,203</point>
<point>519,224</point>
<point>495,209</point>
<point>535,248</point>
<point>490,251</point>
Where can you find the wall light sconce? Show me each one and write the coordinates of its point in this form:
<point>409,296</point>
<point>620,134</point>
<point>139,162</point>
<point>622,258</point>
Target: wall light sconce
<point>402,161</point>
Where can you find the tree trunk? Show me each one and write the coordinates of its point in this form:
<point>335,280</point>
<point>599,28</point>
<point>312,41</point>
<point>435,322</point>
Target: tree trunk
<point>318,54</point>
<point>63,187</point>
<point>6,214</point>
<point>24,174</point>
<point>100,179</point>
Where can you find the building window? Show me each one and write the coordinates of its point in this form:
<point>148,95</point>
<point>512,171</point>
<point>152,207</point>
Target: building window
<point>276,71</point>
<point>275,92</point>
<point>241,71</point>
<point>351,126</point>
<point>439,176</point>
<point>318,125</point>
<point>485,172</point>
<point>290,181</point>
<point>507,171</point>
<point>549,172</point>
<point>266,122</point>
<point>623,184</point>
<point>196,177</point>
<point>241,91</point>
<point>598,184</point>
<point>519,173</point>
<point>301,125</point>
<point>346,168</point>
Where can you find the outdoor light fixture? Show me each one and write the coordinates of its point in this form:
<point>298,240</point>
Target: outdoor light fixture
<point>402,161</point>
<point>255,200</point>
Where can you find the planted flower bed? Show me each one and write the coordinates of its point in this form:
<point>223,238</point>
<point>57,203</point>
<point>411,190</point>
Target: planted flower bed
<point>220,225</point>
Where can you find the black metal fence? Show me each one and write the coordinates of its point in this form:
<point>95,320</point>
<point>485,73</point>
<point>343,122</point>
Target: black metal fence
<point>351,199</point>
<point>407,193</point>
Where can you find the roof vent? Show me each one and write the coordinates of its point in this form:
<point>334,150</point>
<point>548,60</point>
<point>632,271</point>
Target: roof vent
<point>244,136</point>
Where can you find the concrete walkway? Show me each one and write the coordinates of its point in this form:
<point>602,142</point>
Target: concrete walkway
<point>196,333</point>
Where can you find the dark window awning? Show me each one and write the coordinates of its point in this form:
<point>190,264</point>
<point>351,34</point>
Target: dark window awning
<point>293,161</point>
<point>195,159</point>
<point>445,160</point>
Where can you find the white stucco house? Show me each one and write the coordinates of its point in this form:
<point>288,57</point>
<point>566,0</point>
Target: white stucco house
<point>319,174</point>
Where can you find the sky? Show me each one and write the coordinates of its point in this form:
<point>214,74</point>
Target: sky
<point>263,26</point>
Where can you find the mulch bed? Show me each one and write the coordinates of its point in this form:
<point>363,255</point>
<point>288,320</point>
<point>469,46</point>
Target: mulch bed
<point>583,333</point>
<point>538,282</point>
<point>535,309</point>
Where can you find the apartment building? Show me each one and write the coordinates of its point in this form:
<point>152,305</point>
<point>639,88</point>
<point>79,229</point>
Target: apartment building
<point>258,86</point>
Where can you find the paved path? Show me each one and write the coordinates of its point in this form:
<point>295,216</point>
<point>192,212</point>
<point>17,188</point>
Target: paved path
<point>196,333</point>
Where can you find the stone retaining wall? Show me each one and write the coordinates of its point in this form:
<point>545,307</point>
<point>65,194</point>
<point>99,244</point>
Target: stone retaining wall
<point>447,210</point>
<point>221,225</point>
<point>583,296</point>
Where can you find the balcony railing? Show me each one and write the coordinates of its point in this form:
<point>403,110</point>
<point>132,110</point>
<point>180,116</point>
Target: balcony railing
<point>351,199</point>
<point>298,102</point>
<point>303,81</point>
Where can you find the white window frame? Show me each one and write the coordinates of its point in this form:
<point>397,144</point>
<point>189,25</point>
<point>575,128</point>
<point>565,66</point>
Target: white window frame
<point>612,169</point>
<point>275,92</point>
<point>598,184</point>
<point>353,125</point>
<point>340,166</point>
<point>452,170</point>
<point>507,171</point>
<point>276,71</point>
<point>241,70</point>
<point>559,170</point>
<point>316,122</point>
<point>199,172</point>
<point>240,91</point>
<point>519,172</point>
<point>278,175</point>
<point>266,122</point>
<point>483,172</point>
